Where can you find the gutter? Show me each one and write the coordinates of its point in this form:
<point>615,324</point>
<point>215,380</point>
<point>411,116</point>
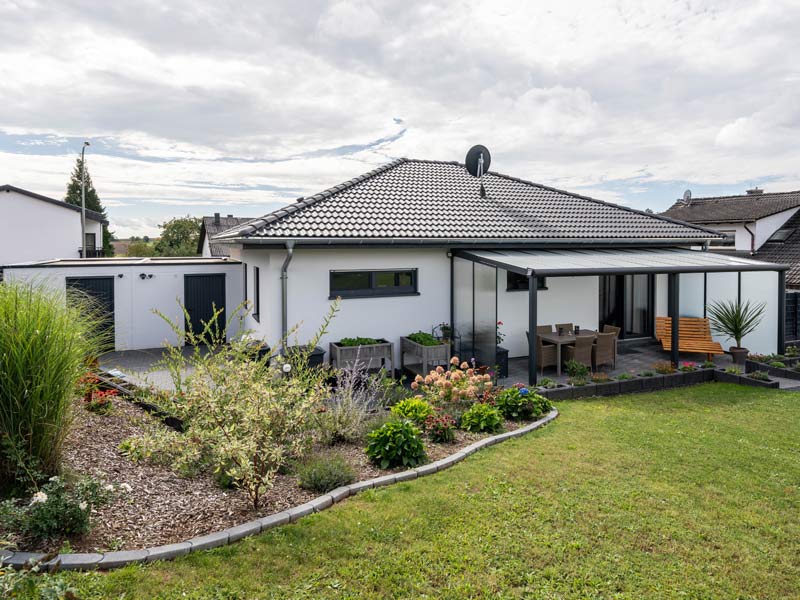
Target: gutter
<point>285,290</point>
<point>752,239</point>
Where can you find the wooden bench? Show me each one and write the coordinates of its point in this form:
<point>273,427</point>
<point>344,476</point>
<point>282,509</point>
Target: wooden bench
<point>694,335</point>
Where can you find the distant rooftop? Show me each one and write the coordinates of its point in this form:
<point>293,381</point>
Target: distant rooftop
<point>753,205</point>
<point>124,262</point>
<point>211,226</point>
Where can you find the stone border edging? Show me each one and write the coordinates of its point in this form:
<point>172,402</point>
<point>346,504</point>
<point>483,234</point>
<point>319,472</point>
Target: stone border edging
<point>114,560</point>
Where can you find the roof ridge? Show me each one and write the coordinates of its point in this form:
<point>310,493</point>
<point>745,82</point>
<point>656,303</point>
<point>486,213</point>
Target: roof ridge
<point>606,203</point>
<point>750,196</point>
<point>300,203</point>
<point>92,214</point>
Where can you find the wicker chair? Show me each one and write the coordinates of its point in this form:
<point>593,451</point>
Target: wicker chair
<point>603,350</point>
<point>616,331</point>
<point>546,355</point>
<point>544,329</point>
<point>567,327</point>
<point>582,350</point>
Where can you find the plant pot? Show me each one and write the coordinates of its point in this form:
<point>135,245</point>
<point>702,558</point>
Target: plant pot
<point>374,356</point>
<point>739,355</point>
<point>607,389</point>
<point>429,356</point>
<point>630,386</point>
<point>501,361</point>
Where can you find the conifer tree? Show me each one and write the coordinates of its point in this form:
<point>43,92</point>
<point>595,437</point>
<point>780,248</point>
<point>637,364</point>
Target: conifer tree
<point>92,201</point>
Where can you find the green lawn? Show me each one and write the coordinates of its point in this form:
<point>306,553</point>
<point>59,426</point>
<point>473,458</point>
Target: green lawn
<point>692,493</point>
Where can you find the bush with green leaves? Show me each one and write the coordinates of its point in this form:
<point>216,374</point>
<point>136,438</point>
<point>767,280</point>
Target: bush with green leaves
<point>624,376</point>
<point>516,403</point>
<point>56,509</point>
<point>46,345</point>
<point>576,370</point>
<point>397,443</point>
<point>792,351</point>
<point>777,364</point>
<point>441,428</point>
<point>424,339</point>
<point>415,409</point>
<point>759,376</point>
<point>323,473</point>
<point>29,583</point>
<point>482,418</point>
<point>350,342</point>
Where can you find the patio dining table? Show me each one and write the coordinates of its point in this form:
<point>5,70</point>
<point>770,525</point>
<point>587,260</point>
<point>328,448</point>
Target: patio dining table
<point>564,340</point>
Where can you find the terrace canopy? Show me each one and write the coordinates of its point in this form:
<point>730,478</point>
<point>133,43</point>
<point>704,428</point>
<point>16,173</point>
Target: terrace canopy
<point>474,289</point>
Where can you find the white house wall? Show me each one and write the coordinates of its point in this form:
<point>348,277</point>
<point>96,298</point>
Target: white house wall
<point>135,324</point>
<point>567,300</point>
<point>767,226</point>
<point>309,291</point>
<point>34,230</point>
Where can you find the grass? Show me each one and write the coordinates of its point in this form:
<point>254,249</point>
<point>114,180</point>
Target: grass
<point>691,493</point>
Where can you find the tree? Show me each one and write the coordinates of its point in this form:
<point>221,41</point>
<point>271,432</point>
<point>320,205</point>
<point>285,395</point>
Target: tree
<point>140,248</point>
<point>179,237</point>
<point>92,201</point>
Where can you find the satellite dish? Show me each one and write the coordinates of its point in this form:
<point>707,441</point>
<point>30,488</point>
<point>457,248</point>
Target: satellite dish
<point>687,197</point>
<point>478,160</point>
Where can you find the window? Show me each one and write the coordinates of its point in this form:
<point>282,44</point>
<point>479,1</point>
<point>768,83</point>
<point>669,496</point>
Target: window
<point>365,284</point>
<point>91,241</point>
<point>516,282</point>
<point>728,240</point>
<point>781,235</point>
<point>256,294</point>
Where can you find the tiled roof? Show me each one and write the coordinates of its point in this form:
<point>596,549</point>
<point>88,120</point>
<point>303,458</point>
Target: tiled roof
<point>211,226</point>
<point>787,252</point>
<point>733,209</point>
<point>436,201</point>
<point>90,214</point>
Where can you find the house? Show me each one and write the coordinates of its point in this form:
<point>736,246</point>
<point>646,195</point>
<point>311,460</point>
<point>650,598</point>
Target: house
<point>211,226</point>
<point>417,243</point>
<point>764,226</point>
<point>36,227</point>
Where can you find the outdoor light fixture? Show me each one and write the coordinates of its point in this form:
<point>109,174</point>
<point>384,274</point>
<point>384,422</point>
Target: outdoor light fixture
<point>83,200</point>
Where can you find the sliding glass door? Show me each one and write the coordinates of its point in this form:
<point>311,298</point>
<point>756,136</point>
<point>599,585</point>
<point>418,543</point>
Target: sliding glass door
<point>626,301</point>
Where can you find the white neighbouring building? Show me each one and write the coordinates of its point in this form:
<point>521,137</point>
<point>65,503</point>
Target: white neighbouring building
<point>35,227</point>
<point>414,244</point>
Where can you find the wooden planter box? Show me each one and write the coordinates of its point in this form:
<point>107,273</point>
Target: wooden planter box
<point>428,355</point>
<point>374,356</point>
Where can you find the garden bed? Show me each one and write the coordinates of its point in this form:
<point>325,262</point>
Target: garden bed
<point>162,507</point>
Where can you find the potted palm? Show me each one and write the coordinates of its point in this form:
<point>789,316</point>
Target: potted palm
<point>735,320</point>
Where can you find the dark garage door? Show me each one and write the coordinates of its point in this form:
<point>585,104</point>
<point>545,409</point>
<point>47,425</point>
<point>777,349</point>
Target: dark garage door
<point>202,294</point>
<point>100,290</point>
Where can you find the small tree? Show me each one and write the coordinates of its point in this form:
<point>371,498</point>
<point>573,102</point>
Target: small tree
<point>734,319</point>
<point>93,203</point>
<point>179,237</point>
<point>141,248</point>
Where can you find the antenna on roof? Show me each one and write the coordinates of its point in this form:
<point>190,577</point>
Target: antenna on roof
<point>687,197</point>
<point>477,163</point>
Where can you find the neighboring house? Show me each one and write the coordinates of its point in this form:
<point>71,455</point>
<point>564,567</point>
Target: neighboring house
<point>764,226</point>
<point>35,227</point>
<point>210,227</point>
<point>414,244</point>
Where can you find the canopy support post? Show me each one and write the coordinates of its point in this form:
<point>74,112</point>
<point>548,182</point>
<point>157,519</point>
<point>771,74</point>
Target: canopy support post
<point>533,298</point>
<point>781,312</point>
<point>673,310</point>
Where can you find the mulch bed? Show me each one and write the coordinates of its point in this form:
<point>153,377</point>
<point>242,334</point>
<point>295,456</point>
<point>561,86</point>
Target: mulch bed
<point>163,507</point>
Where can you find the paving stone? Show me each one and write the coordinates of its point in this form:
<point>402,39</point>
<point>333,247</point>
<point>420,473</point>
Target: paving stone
<point>20,559</point>
<point>340,493</point>
<point>275,520</point>
<point>212,540</point>
<point>406,475</point>
<point>74,561</point>
<point>322,502</point>
<point>168,551</point>
<point>112,560</point>
<point>244,530</point>
<point>385,480</point>
<point>360,486</point>
<point>5,554</point>
<point>426,470</point>
<point>300,511</point>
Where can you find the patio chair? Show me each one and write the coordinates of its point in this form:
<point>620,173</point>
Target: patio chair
<point>615,330</point>
<point>567,327</point>
<point>546,355</point>
<point>544,329</point>
<point>581,351</point>
<point>603,352</point>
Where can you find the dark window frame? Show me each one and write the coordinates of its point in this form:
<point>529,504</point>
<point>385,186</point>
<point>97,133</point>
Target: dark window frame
<point>519,283</point>
<point>257,294</point>
<point>373,291</point>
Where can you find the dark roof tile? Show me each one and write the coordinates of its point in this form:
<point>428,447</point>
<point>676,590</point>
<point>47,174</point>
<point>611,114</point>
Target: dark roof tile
<point>733,209</point>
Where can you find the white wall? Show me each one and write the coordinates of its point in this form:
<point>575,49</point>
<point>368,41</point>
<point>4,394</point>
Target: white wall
<point>33,230</point>
<point>309,291</point>
<point>765,227</point>
<point>567,300</point>
<point>135,324</point>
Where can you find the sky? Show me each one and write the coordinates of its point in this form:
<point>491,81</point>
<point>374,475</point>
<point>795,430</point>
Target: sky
<point>195,107</point>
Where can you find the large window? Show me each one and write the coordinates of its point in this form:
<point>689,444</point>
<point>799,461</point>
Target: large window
<point>516,282</point>
<point>366,284</point>
<point>256,294</point>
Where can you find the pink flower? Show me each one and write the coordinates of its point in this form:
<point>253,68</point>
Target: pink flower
<point>454,361</point>
<point>465,365</point>
<point>414,385</point>
<point>440,370</point>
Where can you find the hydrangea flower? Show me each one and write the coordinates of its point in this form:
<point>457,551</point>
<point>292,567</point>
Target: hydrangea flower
<point>39,498</point>
<point>524,391</point>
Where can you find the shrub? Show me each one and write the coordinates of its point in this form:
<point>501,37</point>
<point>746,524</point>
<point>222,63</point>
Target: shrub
<point>357,341</point>
<point>100,401</point>
<point>415,409</point>
<point>708,364</point>
<point>482,418</point>
<point>45,345</point>
<point>55,509</point>
<point>576,370</point>
<point>546,383</point>
<point>325,473</point>
<point>647,374</point>
<point>733,370</point>
<point>624,376</point>
<point>762,358</point>
<point>601,378</point>
<point>663,367</point>
<point>457,387</point>
<point>441,428</point>
<point>578,381</point>
<point>28,583</point>
<point>792,351</point>
<point>760,376</point>
<point>344,416</point>
<point>687,367</point>
<point>424,339</point>
<point>777,364</point>
<point>518,403</point>
<point>396,443</point>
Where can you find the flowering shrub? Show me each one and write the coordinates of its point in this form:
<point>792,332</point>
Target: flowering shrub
<point>762,358</point>
<point>441,428</point>
<point>99,401</point>
<point>414,409</point>
<point>518,403</point>
<point>55,509</point>
<point>482,417</point>
<point>687,367</point>
<point>461,384</point>
<point>396,443</point>
<point>708,364</point>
